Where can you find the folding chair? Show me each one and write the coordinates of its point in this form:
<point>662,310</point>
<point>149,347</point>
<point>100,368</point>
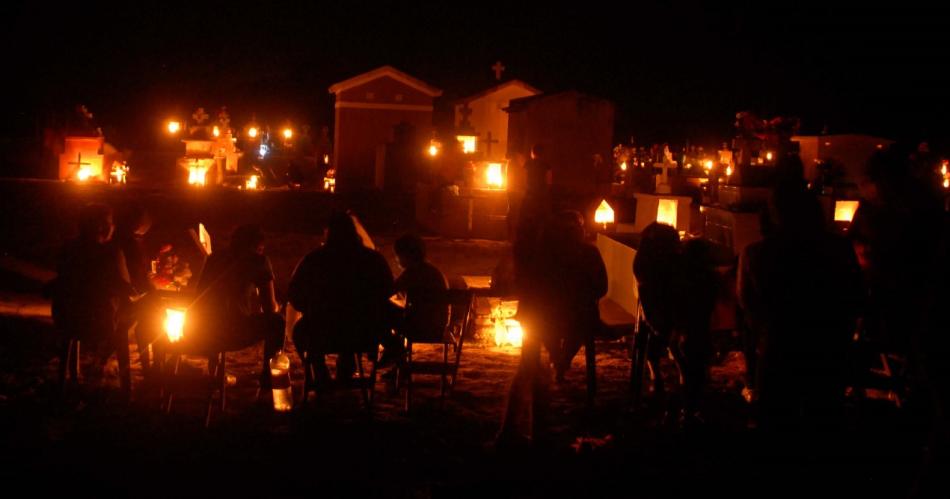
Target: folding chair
<point>215,380</point>
<point>460,303</point>
<point>367,386</point>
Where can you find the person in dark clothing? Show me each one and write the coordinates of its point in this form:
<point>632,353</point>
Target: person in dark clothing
<point>424,318</point>
<point>144,313</point>
<point>91,282</point>
<point>802,287</point>
<point>236,305</point>
<point>536,205</point>
<point>342,290</point>
<point>699,292</point>
<point>656,267</point>
<point>529,388</point>
<point>575,279</point>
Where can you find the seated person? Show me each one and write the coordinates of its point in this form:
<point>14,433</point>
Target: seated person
<point>342,291</point>
<point>424,285</point>
<point>236,306</point>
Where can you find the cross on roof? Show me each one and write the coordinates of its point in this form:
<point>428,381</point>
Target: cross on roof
<point>498,68</point>
<point>488,142</point>
<point>200,115</point>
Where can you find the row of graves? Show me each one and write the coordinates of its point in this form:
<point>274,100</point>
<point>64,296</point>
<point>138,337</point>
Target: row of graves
<point>250,158</point>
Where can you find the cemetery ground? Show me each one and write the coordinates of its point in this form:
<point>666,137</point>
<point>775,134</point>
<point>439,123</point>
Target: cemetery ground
<point>53,443</point>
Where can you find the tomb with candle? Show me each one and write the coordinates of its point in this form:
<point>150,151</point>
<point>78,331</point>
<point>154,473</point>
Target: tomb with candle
<point>82,158</point>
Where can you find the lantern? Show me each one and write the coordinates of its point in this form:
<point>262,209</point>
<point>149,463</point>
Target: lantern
<point>173,127</point>
<point>507,329</point>
<point>252,132</point>
<point>844,210</point>
<point>174,324</point>
<point>666,211</point>
<point>494,176</point>
<point>623,166</point>
<point>469,143</point>
<point>197,175</point>
<point>768,156</point>
<point>216,131</point>
<point>119,173</point>
<point>604,214</point>
<point>288,133</point>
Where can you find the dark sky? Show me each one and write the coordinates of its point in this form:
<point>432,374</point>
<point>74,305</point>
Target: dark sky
<point>675,72</point>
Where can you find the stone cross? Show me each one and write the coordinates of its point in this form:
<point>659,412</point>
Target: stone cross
<point>488,142</point>
<point>79,162</point>
<point>200,115</point>
<point>498,68</point>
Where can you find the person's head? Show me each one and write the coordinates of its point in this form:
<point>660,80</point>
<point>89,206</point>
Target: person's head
<point>698,253</point>
<point>660,239</point>
<point>790,172</point>
<point>537,151</point>
<point>341,231</point>
<point>410,250</point>
<point>797,211</point>
<point>247,239</point>
<point>133,218</point>
<point>95,223</point>
<point>566,227</point>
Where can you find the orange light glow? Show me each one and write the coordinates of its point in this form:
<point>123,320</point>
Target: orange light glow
<point>216,132</point>
<point>197,175</point>
<point>946,183</point>
<point>844,210</point>
<point>728,171</point>
<point>768,156</point>
<point>288,134</point>
<point>666,211</point>
<point>433,150</point>
<point>173,127</point>
<point>623,166</point>
<point>252,132</point>
<point>494,176</point>
<point>174,324</point>
<point>708,164</point>
<point>119,173</point>
<point>507,330</point>
<point>85,173</point>
<point>469,143</point>
<point>604,214</point>
<point>251,183</point>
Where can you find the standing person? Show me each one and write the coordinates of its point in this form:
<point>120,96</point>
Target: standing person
<point>700,290</point>
<point>143,314</point>
<point>236,305</point>
<point>802,285</point>
<point>342,290</point>
<point>657,270</point>
<point>536,205</point>
<point>91,282</point>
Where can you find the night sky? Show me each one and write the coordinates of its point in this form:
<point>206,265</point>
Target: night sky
<point>676,73</point>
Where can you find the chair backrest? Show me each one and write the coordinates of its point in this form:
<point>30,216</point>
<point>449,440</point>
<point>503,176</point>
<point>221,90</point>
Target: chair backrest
<point>460,301</point>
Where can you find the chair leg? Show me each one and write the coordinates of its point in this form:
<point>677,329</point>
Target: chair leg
<point>73,360</point>
<point>362,379</point>
<point>445,368</point>
<point>372,378</point>
<point>590,355</point>
<point>171,393</point>
<point>409,376</point>
<point>307,379</point>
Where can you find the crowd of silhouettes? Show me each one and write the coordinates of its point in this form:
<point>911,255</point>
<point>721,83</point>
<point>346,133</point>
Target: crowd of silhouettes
<point>806,293</point>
